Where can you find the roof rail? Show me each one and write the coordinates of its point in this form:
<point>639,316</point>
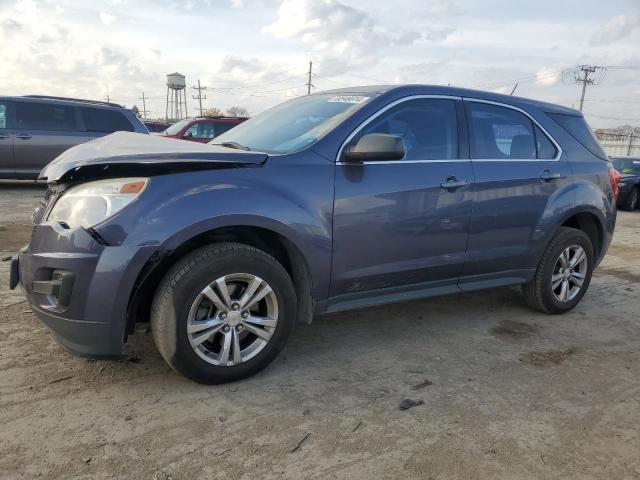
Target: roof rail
<point>233,117</point>
<point>79,100</point>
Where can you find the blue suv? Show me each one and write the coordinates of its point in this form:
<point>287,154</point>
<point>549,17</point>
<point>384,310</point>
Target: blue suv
<point>332,201</point>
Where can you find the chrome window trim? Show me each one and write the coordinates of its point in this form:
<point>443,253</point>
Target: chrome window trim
<point>533,120</point>
<point>380,112</point>
<point>447,97</point>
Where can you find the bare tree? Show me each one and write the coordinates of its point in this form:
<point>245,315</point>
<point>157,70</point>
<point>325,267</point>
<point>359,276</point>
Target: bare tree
<point>238,112</point>
<point>213,112</point>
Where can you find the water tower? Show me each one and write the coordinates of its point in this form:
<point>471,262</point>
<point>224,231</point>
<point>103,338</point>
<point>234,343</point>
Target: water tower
<point>176,97</point>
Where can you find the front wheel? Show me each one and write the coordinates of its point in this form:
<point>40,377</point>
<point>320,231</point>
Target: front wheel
<point>563,274</point>
<point>223,313</point>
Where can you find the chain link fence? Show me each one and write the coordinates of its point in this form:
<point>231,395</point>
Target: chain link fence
<point>620,145</point>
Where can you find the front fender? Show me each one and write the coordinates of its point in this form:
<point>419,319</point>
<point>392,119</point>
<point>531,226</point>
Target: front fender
<point>177,208</point>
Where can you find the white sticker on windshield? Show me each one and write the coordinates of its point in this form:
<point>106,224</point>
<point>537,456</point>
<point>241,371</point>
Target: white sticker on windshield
<point>348,99</point>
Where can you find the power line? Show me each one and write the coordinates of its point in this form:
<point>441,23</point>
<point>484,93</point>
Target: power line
<point>612,118</point>
<point>330,80</point>
<point>262,84</point>
<point>527,79</point>
<point>355,75</point>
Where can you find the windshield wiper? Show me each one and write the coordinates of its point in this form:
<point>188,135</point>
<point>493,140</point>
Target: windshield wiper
<point>235,145</point>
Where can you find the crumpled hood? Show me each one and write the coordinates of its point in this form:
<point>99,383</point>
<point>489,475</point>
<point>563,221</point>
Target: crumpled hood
<point>132,154</point>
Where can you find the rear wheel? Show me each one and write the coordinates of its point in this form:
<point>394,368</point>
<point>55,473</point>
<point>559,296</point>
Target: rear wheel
<point>223,313</point>
<point>563,274</point>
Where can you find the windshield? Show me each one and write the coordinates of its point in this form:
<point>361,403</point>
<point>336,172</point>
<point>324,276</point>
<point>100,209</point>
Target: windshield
<point>176,127</point>
<point>293,125</point>
<point>627,166</point>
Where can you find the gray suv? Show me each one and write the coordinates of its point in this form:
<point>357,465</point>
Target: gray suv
<point>36,129</point>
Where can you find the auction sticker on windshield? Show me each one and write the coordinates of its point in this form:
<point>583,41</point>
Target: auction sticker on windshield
<point>348,99</point>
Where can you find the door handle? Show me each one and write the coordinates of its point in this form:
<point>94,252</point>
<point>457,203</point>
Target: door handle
<point>547,176</point>
<point>23,136</point>
<point>452,183</point>
<point>2,137</point>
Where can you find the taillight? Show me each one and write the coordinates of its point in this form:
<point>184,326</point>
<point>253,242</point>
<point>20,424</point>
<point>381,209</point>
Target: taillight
<point>614,178</point>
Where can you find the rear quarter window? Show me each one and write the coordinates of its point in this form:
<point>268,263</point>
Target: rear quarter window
<point>578,128</point>
<point>103,120</point>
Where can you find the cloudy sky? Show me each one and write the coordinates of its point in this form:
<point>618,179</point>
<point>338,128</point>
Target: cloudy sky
<point>255,53</point>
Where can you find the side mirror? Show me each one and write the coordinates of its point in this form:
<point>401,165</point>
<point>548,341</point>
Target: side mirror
<point>187,134</point>
<point>376,146</point>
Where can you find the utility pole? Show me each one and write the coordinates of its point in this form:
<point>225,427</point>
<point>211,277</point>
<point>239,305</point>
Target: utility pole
<point>309,84</point>
<point>582,77</point>
<point>199,96</point>
<point>144,105</point>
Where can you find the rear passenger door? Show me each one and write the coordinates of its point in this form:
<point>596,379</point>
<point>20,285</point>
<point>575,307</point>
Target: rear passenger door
<point>102,121</point>
<point>7,165</point>
<point>517,169</point>
<point>42,131</point>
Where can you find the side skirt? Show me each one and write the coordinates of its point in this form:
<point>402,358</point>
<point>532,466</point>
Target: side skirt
<point>353,301</point>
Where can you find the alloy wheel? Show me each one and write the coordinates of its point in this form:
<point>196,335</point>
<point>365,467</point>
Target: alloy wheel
<point>232,319</point>
<point>569,273</point>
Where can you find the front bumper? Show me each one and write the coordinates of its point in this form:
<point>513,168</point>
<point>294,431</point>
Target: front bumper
<point>78,287</point>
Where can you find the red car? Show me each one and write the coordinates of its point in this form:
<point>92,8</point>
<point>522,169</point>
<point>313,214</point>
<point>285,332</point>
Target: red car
<point>202,129</point>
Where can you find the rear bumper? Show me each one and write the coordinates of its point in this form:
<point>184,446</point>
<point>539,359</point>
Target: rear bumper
<point>79,288</point>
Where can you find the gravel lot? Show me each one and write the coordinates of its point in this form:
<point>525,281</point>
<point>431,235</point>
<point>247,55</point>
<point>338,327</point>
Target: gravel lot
<point>508,393</point>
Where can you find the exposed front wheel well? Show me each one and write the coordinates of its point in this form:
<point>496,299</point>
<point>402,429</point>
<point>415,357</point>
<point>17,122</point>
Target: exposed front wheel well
<point>590,225</point>
<point>274,244</point>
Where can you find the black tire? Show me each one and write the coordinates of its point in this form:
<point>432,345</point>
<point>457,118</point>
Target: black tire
<point>631,202</point>
<point>538,293</point>
<point>181,286</point>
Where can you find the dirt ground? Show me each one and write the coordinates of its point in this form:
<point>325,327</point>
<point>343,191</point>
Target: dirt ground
<point>508,393</point>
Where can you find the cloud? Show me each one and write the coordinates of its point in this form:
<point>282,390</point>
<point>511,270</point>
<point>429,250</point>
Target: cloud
<point>615,29</point>
<point>438,35</point>
<point>443,8</point>
<point>336,30</point>
<point>107,18</point>
<point>26,7</point>
<point>9,27</point>
<point>547,76</point>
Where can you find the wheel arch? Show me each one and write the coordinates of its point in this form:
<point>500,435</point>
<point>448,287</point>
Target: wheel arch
<point>275,243</point>
<point>592,226</point>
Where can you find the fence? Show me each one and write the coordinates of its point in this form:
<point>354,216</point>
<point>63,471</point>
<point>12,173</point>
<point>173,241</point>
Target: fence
<point>616,145</point>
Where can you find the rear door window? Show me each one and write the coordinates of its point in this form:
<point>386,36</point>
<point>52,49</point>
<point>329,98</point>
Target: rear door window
<point>546,149</point>
<point>45,116</point>
<point>500,133</point>
<point>104,120</point>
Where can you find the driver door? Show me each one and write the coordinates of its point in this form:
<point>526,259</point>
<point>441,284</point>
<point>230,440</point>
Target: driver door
<point>396,222</point>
